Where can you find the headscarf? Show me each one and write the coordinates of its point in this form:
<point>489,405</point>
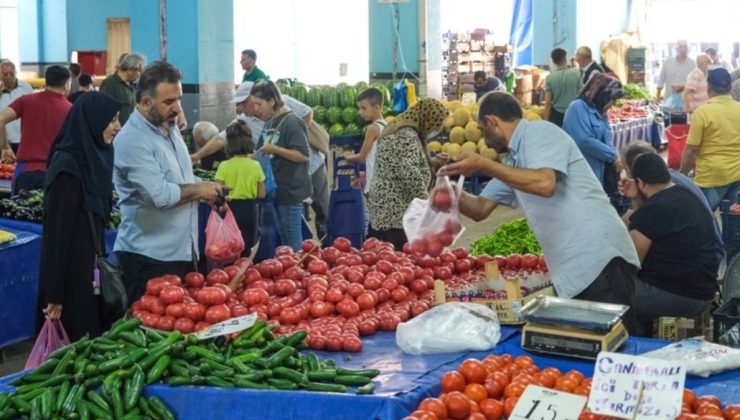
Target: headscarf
<point>600,90</point>
<point>79,149</point>
<point>425,117</point>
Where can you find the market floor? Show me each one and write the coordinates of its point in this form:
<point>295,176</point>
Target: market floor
<point>15,355</point>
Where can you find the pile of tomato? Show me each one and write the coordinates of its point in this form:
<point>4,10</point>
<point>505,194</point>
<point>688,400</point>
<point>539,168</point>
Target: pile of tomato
<point>336,294</point>
<point>489,389</point>
<point>6,170</point>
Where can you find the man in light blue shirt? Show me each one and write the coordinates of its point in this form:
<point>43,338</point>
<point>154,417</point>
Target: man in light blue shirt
<point>587,247</point>
<point>158,193</point>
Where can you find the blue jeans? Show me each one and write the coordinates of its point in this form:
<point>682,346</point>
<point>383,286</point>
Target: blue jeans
<point>715,195</point>
<point>289,217</point>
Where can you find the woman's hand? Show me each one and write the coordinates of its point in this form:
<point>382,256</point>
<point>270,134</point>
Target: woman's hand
<point>270,149</point>
<point>53,310</point>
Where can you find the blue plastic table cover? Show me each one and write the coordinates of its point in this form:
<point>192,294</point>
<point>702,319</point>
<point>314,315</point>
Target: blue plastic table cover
<point>19,269</point>
<point>404,381</point>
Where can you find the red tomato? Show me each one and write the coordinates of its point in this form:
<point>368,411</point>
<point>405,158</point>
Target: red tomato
<point>194,279</point>
<point>194,311</point>
<point>184,325</point>
<point>355,290</point>
<point>166,323</point>
<point>388,322</point>
<point>217,313</point>
<point>290,316</point>
<point>342,244</point>
<point>155,285</point>
<point>284,287</point>
<point>334,343</point>
<point>217,276</point>
<point>330,254</point>
<point>509,404</point>
<point>211,296</point>
<point>351,344</point>
<point>368,327</point>
<point>317,267</point>
<point>452,381</point>
<point>458,405</point>
<point>491,408</point>
<point>171,294</point>
<point>366,301</point>
<point>176,310</point>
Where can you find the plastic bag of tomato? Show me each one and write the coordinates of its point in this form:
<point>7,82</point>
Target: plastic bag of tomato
<point>489,389</point>
<point>6,170</point>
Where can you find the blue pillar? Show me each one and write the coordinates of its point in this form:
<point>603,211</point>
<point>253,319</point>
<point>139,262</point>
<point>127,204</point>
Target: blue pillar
<point>42,34</point>
<point>554,27</point>
<point>383,34</point>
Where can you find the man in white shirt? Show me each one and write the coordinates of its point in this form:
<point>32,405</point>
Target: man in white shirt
<point>10,89</point>
<point>673,76</point>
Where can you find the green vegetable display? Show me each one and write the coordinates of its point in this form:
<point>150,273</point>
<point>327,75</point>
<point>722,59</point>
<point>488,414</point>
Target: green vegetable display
<point>635,91</point>
<point>204,174</point>
<point>508,238</point>
<point>28,206</point>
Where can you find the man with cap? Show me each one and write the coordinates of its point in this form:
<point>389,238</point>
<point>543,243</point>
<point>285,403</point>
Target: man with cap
<point>713,145</point>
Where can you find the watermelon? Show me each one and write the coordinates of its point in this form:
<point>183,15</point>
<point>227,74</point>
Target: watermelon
<point>329,97</point>
<point>334,114</point>
<point>352,129</point>
<point>349,115</point>
<point>386,93</point>
<point>299,92</point>
<point>336,130</point>
<point>319,113</point>
<point>346,96</point>
<point>313,97</point>
<point>360,86</point>
<point>285,90</point>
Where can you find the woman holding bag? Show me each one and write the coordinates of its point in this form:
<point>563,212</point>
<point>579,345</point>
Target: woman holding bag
<point>78,181</point>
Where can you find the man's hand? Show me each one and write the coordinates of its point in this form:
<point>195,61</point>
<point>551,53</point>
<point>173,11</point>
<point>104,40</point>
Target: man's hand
<point>209,191</point>
<point>7,156</point>
<point>53,311</point>
<point>270,149</point>
<point>467,164</point>
<point>195,159</point>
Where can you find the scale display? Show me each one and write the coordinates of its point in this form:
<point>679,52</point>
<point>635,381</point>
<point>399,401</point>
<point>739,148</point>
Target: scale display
<point>571,342</point>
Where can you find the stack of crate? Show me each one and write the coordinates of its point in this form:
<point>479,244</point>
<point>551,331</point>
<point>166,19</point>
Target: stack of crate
<point>464,54</point>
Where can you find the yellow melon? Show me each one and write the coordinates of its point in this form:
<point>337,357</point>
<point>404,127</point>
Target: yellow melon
<point>457,135</point>
<point>434,146</point>
<point>454,105</point>
<point>453,150</point>
<point>481,148</point>
<point>470,146</point>
<point>461,117</point>
<point>472,132</point>
<point>531,115</point>
<point>489,153</point>
<point>449,123</point>
<point>482,143</point>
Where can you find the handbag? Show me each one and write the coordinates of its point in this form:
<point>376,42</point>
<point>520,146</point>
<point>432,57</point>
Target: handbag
<point>265,160</point>
<point>611,179</point>
<point>318,137</point>
<point>114,299</point>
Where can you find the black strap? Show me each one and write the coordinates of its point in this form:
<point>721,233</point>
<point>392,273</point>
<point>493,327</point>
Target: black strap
<point>281,119</point>
<point>95,236</point>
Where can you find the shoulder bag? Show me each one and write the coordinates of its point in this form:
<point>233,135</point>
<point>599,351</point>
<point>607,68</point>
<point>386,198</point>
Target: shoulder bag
<point>114,300</point>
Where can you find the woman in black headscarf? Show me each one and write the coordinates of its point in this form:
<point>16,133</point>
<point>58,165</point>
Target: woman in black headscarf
<point>79,180</point>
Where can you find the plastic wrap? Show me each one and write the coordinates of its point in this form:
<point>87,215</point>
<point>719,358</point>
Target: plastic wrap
<point>702,358</point>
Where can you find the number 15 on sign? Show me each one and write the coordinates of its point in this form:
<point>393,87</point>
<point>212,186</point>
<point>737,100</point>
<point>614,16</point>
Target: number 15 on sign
<point>537,403</point>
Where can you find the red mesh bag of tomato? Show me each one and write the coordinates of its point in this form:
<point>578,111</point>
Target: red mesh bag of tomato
<point>224,242</point>
<point>433,224</point>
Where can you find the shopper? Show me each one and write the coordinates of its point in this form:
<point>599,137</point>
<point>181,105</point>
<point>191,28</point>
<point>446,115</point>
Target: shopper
<point>252,73</point>
<point>41,117</point>
<point>484,84</point>
<point>586,122</point>
<point>402,169</point>
<point>284,138</point>
<point>85,84</point>
<point>121,84</point>
<point>713,144</point>
<point>11,89</point>
<point>75,70</point>
<point>586,245</point>
<point>370,106</point>
<point>561,87</point>
<point>158,194</point>
<point>716,60</point>
<point>695,91</point>
<point>589,67</point>
<point>672,77</point>
<point>245,180</point>
<point>78,183</point>
<point>675,240</point>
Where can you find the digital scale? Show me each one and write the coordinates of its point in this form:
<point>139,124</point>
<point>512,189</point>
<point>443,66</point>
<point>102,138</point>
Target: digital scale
<point>572,328</point>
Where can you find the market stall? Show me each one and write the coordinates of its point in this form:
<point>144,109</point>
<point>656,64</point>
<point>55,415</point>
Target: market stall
<point>18,284</point>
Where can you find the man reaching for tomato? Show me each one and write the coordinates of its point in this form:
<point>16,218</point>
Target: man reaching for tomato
<point>587,248</point>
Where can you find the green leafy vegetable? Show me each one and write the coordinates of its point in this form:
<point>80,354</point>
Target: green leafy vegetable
<point>508,238</point>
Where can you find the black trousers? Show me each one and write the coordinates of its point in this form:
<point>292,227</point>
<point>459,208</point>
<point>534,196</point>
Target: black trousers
<point>246,215</point>
<point>615,284</point>
<point>556,117</point>
<point>138,269</point>
<point>395,236</point>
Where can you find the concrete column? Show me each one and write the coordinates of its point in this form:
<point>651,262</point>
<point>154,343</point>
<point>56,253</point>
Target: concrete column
<point>383,35</point>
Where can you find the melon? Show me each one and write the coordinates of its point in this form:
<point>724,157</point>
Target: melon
<point>299,92</point>
<point>489,153</point>
<point>347,96</point>
<point>329,97</point>
<point>349,115</point>
<point>482,143</point>
<point>470,146</point>
<point>457,135</point>
<point>453,150</point>
<point>352,129</point>
<point>313,97</point>
<point>461,117</point>
<point>360,86</point>
<point>386,93</point>
<point>434,147</point>
<point>531,115</point>
<point>449,123</point>
<point>454,105</point>
<point>334,114</point>
<point>472,132</point>
<point>319,113</point>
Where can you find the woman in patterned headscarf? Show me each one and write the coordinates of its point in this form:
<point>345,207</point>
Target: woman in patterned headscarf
<point>402,169</point>
<point>586,122</point>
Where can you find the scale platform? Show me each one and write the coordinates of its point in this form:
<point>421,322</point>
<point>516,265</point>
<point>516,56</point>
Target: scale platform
<point>572,328</point>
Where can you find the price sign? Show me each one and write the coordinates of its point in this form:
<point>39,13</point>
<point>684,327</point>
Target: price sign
<point>636,387</point>
<point>538,403</point>
<point>229,326</point>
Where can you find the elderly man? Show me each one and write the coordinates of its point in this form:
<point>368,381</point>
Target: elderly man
<point>716,60</point>
<point>252,73</point>
<point>673,77</point>
<point>42,115</point>
<point>695,92</point>
<point>158,192</point>
<point>713,145</point>
<point>120,84</point>
<point>586,63</point>
<point>11,89</point>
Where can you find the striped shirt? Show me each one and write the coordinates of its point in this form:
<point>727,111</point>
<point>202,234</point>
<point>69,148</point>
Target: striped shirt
<point>696,87</point>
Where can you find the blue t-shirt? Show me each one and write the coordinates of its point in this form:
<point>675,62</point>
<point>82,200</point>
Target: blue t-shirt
<point>577,228</point>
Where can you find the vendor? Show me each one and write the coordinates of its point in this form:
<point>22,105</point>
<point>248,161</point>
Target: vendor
<point>675,240</point>
<point>587,248</point>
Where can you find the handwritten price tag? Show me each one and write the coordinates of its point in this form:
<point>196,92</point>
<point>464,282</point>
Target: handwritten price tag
<point>229,326</point>
<point>538,403</point>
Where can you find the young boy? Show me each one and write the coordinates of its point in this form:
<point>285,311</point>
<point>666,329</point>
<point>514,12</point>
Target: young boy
<point>370,104</point>
<point>245,179</point>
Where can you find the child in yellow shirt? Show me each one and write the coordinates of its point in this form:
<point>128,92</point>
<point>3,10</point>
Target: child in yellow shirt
<point>245,180</point>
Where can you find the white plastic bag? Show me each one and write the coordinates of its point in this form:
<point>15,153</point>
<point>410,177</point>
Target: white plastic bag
<point>430,228</point>
<point>702,358</point>
<point>450,327</point>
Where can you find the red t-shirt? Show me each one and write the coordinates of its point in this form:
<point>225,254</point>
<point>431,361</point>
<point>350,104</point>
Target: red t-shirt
<point>42,115</point>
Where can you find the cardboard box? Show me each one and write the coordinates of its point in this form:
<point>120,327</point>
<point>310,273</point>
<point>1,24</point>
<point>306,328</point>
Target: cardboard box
<point>524,98</point>
<point>523,83</point>
<point>672,328</point>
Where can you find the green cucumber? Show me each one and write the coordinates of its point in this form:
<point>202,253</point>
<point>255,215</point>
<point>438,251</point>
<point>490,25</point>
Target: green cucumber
<point>296,338</point>
<point>313,362</point>
<point>155,373</point>
<point>160,409</point>
<point>283,384</point>
<point>95,411</point>
<point>179,380</point>
<point>322,375</point>
<point>366,389</point>
<point>246,383</point>
<point>75,394</point>
<point>219,382</point>
<point>132,389</point>
<point>278,358</point>
<point>47,404</point>
<point>82,410</point>
<point>370,373</point>
<point>122,326</point>
<point>132,338</point>
<point>290,374</point>
<point>207,354</point>
<point>63,392</point>
<point>98,400</point>
<point>322,387</point>
<point>354,380</point>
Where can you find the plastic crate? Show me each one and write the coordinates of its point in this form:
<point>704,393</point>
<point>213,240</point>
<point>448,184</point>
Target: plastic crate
<point>730,225</point>
<point>676,135</point>
<point>727,323</point>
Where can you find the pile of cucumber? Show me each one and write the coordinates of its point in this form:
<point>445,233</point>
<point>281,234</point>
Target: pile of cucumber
<point>104,377</point>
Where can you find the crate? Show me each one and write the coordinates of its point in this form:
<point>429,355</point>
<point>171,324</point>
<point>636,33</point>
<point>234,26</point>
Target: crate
<point>674,328</point>
<point>727,323</point>
<point>730,224</point>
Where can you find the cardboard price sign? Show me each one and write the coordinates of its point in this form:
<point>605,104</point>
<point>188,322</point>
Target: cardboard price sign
<point>636,387</point>
<point>538,403</point>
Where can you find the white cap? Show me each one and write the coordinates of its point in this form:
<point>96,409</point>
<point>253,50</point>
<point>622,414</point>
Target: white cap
<point>242,92</point>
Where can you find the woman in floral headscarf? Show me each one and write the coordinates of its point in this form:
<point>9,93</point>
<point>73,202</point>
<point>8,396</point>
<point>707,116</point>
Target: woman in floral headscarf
<point>402,169</point>
<point>586,122</point>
